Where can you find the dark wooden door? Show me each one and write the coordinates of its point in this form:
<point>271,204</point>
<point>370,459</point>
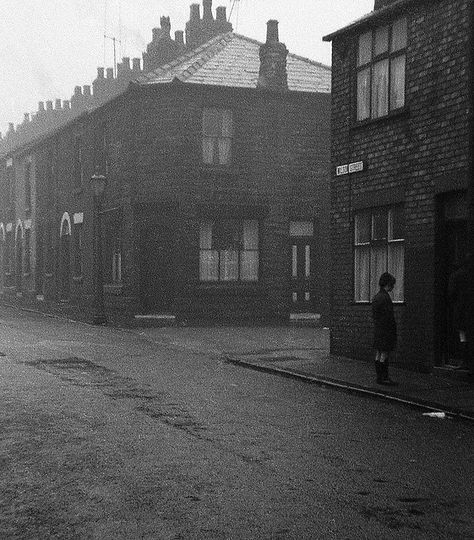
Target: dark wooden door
<point>455,250</point>
<point>158,279</point>
<point>302,270</point>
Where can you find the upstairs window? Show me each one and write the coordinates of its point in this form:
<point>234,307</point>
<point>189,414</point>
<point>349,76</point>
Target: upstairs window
<point>78,162</point>
<point>216,136</point>
<point>381,61</point>
<point>100,150</point>
<point>10,183</point>
<point>228,250</point>
<point>28,184</point>
<point>379,247</point>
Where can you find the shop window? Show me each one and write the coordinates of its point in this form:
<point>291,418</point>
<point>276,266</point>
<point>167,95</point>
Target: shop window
<point>216,136</point>
<point>379,247</point>
<point>229,250</point>
<point>381,62</point>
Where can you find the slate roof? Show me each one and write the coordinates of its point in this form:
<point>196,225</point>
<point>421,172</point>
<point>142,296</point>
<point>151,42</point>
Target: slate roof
<point>233,60</point>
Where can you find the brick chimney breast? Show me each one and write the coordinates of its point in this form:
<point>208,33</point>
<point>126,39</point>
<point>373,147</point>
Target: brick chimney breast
<point>273,74</point>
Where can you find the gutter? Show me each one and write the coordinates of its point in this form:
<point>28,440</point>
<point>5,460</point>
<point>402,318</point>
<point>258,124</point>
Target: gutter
<point>372,17</point>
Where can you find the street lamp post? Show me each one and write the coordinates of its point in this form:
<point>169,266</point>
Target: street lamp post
<point>98,183</point>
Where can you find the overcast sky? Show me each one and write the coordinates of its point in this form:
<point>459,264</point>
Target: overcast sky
<point>50,46</point>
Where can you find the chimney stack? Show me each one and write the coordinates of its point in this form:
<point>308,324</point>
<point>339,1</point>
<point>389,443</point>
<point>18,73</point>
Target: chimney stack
<point>273,74</point>
<point>379,4</point>
<point>179,38</point>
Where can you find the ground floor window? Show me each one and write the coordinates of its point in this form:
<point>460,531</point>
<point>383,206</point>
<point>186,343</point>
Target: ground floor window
<point>27,261</point>
<point>379,247</point>
<point>228,250</point>
<point>113,246</point>
<point>78,249</point>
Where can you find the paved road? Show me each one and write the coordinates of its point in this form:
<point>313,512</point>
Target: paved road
<point>107,435</point>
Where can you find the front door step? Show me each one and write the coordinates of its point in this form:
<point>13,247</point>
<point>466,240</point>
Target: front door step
<point>155,319</point>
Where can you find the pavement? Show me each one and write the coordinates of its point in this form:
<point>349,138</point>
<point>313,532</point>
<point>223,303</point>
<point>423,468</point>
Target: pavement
<point>303,353</point>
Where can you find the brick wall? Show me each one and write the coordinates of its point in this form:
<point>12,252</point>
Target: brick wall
<point>405,155</point>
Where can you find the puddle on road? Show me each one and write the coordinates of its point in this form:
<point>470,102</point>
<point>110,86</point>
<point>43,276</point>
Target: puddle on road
<point>157,405</point>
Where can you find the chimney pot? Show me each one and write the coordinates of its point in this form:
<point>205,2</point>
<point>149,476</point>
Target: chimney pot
<point>126,63</point>
<point>179,37</point>
<point>165,25</point>
<point>110,73</point>
<point>57,105</point>
<point>11,126</point>
<point>49,105</point>
<point>26,117</point>
<point>87,90</point>
<point>207,10</point>
<point>195,13</point>
<point>66,105</point>
<point>272,31</point>
<point>100,72</point>
<point>136,64</point>
<point>221,14</point>
<point>156,32</point>
<point>77,91</point>
<point>40,106</point>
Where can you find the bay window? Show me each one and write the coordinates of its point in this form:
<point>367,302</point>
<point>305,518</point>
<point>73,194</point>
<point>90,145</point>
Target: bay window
<point>379,247</point>
<point>228,250</point>
<point>381,62</point>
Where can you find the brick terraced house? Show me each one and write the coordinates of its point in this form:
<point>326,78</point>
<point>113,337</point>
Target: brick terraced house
<point>217,202</point>
<point>399,202</point>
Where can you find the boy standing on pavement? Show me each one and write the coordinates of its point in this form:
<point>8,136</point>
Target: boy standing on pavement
<point>385,328</point>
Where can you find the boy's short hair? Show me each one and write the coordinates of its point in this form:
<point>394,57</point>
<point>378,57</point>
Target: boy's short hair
<point>386,279</point>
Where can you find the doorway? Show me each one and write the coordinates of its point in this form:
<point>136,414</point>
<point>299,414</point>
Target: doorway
<point>302,255</point>
<point>451,249</point>
<point>158,269</point>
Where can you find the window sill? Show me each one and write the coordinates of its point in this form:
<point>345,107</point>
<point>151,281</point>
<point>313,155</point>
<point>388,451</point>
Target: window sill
<point>404,112</point>
<point>26,274</point>
<point>48,275</point>
<point>369,303</point>
<point>77,279</point>
<point>113,288</point>
<point>215,169</point>
<point>230,288</point>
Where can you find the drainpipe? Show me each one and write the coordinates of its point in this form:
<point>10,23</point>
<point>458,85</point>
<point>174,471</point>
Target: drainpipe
<point>470,189</point>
